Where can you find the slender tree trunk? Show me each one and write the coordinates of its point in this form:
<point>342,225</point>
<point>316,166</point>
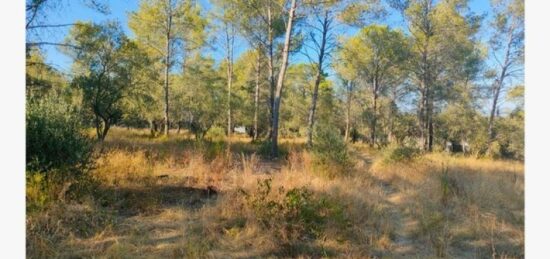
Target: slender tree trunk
<point>430,124</point>
<point>256,97</point>
<point>374,111</point>
<point>98,127</point>
<point>491,131</point>
<point>271,71</point>
<point>426,118</point>
<point>421,118</point>
<point>424,101</point>
<point>280,80</point>
<point>106,127</point>
<point>391,135</point>
<point>311,117</point>
<point>348,110</point>
<point>497,88</point>
<point>429,102</point>
<point>167,76</point>
<point>152,128</point>
<point>229,58</point>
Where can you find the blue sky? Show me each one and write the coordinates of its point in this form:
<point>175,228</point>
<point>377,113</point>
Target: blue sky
<point>76,10</point>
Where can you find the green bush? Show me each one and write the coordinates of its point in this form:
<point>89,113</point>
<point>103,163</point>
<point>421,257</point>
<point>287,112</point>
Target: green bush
<point>395,154</point>
<point>509,142</point>
<point>330,150</point>
<point>265,149</point>
<point>494,150</point>
<point>56,141</point>
<point>215,134</point>
<point>38,192</point>
<point>210,150</point>
<point>295,212</point>
<point>58,153</point>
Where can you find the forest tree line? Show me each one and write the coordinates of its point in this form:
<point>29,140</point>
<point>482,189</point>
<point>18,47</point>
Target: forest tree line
<point>289,67</point>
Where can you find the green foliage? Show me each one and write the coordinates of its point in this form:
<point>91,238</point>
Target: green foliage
<point>396,154</point>
<point>210,150</point>
<point>105,67</point>
<point>200,93</point>
<point>187,26</point>
<point>40,77</point>
<point>38,191</point>
<point>215,134</point>
<point>461,121</point>
<point>55,138</point>
<point>296,213</point>
<point>265,149</point>
<point>509,142</point>
<point>243,89</point>
<point>494,150</point>
<point>298,89</point>
<point>358,13</point>
<point>330,151</point>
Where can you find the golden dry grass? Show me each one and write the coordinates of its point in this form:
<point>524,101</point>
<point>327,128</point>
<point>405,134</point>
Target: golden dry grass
<point>173,198</point>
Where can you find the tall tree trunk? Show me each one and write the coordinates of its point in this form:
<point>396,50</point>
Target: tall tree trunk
<point>430,123</point>
<point>256,97</point>
<point>106,127</point>
<point>426,118</point>
<point>421,118</point>
<point>98,127</point>
<point>424,100</point>
<point>280,80</point>
<point>271,71</point>
<point>152,128</point>
<point>311,117</point>
<point>391,133</point>
<point>491,131</point>
<point>391,136</point>
<point>229,58</point>
<point>497,88</point>
<point>166,74</point>
<point>348,110</point>
<point>374,111</point>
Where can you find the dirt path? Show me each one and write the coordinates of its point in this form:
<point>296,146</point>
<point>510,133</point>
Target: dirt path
<point>404,245</point>
<point>164,230</point>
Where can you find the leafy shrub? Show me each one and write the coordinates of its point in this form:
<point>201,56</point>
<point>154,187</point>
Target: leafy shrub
<point>215,134</point>
<point>330,150</point>
<point>295,213</point>
<point>395,154</point>
<point>55,138</point>
<point>265,149</point>
<point>38,192</point>
<point>211,150</point>
<point>494,150</point>
<point>509,137</point>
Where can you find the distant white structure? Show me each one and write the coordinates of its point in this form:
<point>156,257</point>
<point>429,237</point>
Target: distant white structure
<point>240,129</point>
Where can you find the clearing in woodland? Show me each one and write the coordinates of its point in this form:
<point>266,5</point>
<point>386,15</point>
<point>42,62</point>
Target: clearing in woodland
<point>172,198</point>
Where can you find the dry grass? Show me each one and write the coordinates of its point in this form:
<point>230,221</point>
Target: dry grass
<point>173,198</point>
<point>464,207</point>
